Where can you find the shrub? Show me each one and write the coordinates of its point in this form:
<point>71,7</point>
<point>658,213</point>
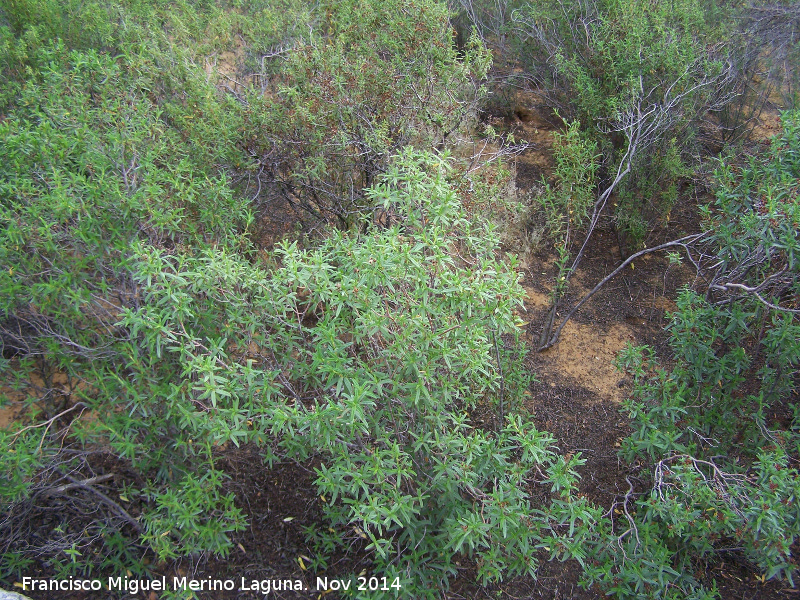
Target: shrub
<point>639,79</point>
<point>720,427</point>
<point>134,323</point>
<point>368,354</point>
<point>133,278</point>
<point>375,77</point>
<point>88,170</point>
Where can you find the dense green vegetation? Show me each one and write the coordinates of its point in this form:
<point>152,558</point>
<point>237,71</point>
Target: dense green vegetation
<point>146,146</point>
<point>722,425</point>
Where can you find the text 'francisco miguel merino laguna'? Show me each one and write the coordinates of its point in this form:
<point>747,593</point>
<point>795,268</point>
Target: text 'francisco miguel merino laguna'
<point>134,586</point>
<point>263,586</point>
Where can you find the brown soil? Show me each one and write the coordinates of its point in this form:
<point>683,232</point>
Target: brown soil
<point>8,414</point>
<point>583,356</point>
<point>533,123</point>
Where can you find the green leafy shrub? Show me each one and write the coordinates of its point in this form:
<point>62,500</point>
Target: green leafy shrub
<point>89,169</point>
<point>639,80</point>
<point>131,277</point>
<point>79,24</point>
<point>368,354</point>
<point>375,77</point>
<point>721,427</point>
<point>567,204</point>
<point>117,183</point>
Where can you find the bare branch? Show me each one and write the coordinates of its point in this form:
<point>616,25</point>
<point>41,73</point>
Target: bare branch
<point>682,242</point>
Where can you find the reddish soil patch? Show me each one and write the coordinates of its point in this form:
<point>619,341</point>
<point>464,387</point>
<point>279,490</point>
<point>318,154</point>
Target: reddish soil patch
<point>8,414</point>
